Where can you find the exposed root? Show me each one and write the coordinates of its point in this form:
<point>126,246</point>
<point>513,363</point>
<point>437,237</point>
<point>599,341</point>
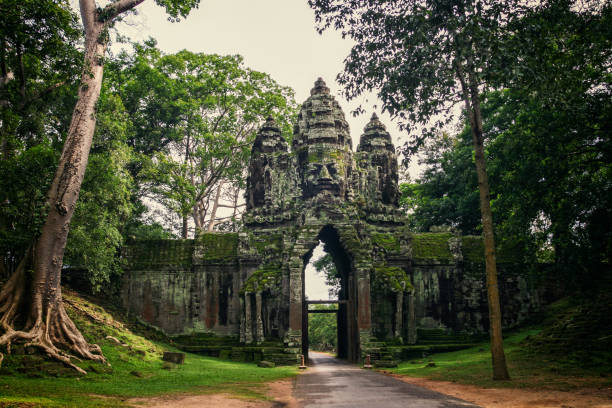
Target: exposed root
<point>51,331</point>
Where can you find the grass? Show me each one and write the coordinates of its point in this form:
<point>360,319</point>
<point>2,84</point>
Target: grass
<point>136,370</point>
<point>528,369</point>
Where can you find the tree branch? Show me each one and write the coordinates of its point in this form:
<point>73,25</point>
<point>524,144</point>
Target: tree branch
<point>116,8</point>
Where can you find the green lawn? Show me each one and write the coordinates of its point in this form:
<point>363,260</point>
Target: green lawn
<point>136,370</point>
<point>527,369</point>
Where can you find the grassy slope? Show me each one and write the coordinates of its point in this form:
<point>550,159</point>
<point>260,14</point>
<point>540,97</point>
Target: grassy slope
<point>136,369</point>
<point>529,367</point>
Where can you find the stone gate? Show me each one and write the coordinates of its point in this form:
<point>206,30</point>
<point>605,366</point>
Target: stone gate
<point>250,286</point>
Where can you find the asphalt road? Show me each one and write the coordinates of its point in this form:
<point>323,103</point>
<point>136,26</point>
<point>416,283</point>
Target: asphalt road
<point>330,382</point>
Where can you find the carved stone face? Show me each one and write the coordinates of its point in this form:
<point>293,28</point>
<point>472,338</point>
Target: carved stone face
<point>324,175</point>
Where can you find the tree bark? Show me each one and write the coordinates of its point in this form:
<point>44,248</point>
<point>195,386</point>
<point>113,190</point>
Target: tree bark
<point>471,99</point>
<point>185,227</point>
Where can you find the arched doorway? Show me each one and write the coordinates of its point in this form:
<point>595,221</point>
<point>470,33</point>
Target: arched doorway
<point>346,297</point>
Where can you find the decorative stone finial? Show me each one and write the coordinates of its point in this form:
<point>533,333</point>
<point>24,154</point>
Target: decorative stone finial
<point>375,124</point>
<point>319,87</point>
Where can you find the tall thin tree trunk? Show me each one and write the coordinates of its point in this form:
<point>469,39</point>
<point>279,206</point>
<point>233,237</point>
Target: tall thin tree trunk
<point>185,228</point>
<point>213,214</point>
<point>472,105</point>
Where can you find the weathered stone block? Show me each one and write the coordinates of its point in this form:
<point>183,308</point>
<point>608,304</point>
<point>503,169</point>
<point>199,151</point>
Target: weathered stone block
<point>174,357</point>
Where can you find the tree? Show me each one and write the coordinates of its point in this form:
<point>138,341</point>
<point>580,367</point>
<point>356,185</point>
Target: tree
<point>423,56</point>
<point>548,146</point>
<point>39,63</point>
<point>322,329</point>
<point>447,192</point>
<point>216,107</point>
<point>36,298</point>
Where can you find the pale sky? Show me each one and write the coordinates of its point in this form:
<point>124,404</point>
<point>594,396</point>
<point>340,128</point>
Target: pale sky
<point>316,289</point>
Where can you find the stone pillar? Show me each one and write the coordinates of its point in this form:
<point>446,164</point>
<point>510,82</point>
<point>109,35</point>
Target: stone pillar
<point>399,305</point>
<point>259,332</point>
<point>412,333</point>
<point>295,297</point>
<point>364,314</point>
<point>242,320</point>
<point>248,319</point>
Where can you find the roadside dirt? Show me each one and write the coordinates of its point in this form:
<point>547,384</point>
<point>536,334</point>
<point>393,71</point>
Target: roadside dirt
<point>281,393</point>
<point>516,397</point>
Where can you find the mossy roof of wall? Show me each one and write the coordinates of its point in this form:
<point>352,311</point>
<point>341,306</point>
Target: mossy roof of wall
<point>150,253</point>
<point>218,247</point>
<point>432,246</point>
<point>211,247</point>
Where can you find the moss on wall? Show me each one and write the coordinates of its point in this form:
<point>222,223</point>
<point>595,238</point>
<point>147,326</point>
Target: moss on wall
<point>392,277</point>
<point>150,253</point>
<point>266,276</point>
<point>269,242</point>
<point>428,247</point>
<point>218,247</point>
<point>472,248</point>
<point>386,240</point>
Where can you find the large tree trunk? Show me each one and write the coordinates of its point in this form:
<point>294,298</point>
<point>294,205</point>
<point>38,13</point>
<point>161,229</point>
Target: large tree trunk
<point>36,303</point>
<point>472,105</point>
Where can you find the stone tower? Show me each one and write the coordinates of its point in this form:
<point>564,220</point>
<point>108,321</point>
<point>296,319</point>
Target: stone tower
<point>321,190</point>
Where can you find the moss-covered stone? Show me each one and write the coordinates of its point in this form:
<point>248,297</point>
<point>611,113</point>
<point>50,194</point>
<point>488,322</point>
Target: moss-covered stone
<point>154,253</point>
<point>265,277</point>
<point>218,247</point>
<point>391,277</point>
<point>432,247</point>
<point>386,240</point>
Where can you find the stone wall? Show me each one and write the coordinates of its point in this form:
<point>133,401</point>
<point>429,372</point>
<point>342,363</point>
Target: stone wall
<point>183,286</point>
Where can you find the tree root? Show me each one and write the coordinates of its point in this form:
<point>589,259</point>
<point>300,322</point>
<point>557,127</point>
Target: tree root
<point>51,331</point>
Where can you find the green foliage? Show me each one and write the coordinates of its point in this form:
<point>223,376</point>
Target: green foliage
<point>193,119</point>
<point>39,64</point>
<point>446,194</point>
<point>104,203</point>
<point>23,210</point>
<point>322,329</point>
<point>111,386</point>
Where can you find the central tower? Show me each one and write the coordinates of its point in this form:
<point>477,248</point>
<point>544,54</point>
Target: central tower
<point>320,190</point>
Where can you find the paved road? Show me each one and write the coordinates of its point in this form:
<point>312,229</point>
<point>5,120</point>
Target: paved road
<point>332,383</point>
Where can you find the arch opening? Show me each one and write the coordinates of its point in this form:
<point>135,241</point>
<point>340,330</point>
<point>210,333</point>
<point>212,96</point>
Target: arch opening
<point>339,281</point>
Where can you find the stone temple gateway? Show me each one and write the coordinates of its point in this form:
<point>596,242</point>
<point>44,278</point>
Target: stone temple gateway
<point>248,288</point>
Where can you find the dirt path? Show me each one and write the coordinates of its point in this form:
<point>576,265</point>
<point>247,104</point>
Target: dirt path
<point>281,393</point>
<point>283,396</point>
<point>516,397</point>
